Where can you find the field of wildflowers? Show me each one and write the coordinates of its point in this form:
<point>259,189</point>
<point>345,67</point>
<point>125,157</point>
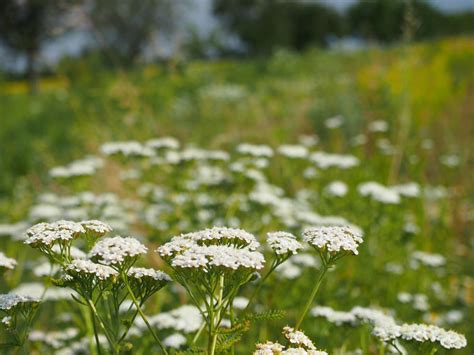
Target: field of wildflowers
<point>305,204</point>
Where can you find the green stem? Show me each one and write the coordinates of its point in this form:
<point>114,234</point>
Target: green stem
<point>145,319</point>
<point>312,296</point>
<point>102,325</point>
<point>96,335</point>
<point>213,330</point>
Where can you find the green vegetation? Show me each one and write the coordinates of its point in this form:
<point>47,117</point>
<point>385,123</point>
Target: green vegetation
<point>424,93</point>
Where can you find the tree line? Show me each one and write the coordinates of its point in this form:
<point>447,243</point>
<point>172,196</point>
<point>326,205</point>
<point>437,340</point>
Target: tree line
<point>123,29</point>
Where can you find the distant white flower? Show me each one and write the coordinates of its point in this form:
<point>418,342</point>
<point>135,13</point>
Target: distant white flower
<point>308,140</point>
<point>333,316</point>
<point>7,263</point>
<point>175,341</point>
<point>379,192</point>
<point>450,160</point>
<point>117,250</point>
<point>428,259</point>
<point>334,239</point>
<point>327,160</point>
<point>378,126</point>
<point>240,302</point>
<point>257,150</point>
<point>411,189</point>
<point>293,151</point>
<point>337,188</point>
<point>163,142</point>
<point>334,122</point>
<point>186,319</point>
<point>129,148</point>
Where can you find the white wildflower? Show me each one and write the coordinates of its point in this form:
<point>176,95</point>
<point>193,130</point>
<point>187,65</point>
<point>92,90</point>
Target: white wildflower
<point>297,337</point>
<point>116,250</point>
<point>11,300</point>
<point>283,243</point>
<point>293,151</point>
<point>334,239</point>
<point>46,234</point>
<point>337,188</point>
<point>7,263</point>
<point>174,341</point>
<point>102,272</point>
<point>141,272</point>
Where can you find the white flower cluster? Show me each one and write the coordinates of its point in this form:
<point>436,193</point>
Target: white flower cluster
<point>299,338</point>
<point>82,167</point>
<point>327,160</point>
<point>378,126</point>
<point>255,150</point>
<point>186,319</point>
<point>11,300</point>
<point>304,345</point>
<point>427,259</point>
<point>163,142</point>
<point>410,189</point>
<point>386,328</point>
<point>293,151</point>
<point>333,316</point>
<point>6,262</point>
<point>283,243</point>
<point>55,339</point>
<point>174,341</point>
<point>422,332</point>
<point>268,348</point>
<point>128,148</point>
<point>97,227</point>
<point>141,272</point>
<point>215,247</point>
<point>337,188</point>
<point>334,239</point>
<point>380,193</point>
<point>37,289</point>
<point>102,272</point>
<point>48,233</point>
<point>225,256</point>
<point>116,250</point>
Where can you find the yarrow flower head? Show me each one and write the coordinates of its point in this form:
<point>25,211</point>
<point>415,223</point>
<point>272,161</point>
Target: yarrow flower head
<point>298,338</point>
<point>283,243</point>
<point>116,251</point>
<point>6,263</point>
<point>300,345</point>
<point>220,247</point>
<point>47,234</point>
<point>422,333</point>
<point>10,301</point>
<point>84,268</point>
<point>96,227</point>
<point>334,239</point>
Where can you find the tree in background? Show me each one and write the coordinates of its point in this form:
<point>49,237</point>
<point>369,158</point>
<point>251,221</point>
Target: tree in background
<point>383,20</point>
<point>264,25</point>
<point>25,26</point>
<point>124,28</point>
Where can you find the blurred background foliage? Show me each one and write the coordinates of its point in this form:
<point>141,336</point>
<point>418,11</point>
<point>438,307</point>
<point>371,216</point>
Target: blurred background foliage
<point>147,70</point>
